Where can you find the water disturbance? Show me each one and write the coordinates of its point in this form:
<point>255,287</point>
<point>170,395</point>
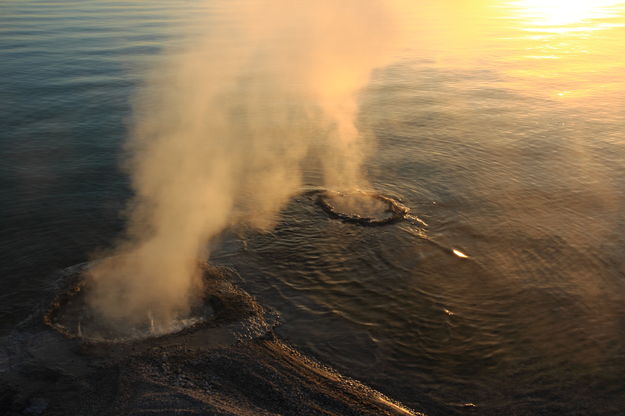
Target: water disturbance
<point>360,207</point>
<point>72,315</point>
<point>499,123</point>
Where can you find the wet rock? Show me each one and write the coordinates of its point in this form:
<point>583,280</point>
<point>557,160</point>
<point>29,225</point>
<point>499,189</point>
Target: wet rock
<point>362,208</point>
<point>234,366</point>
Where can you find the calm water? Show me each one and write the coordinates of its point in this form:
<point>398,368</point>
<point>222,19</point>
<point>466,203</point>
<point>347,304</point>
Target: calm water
<point>501,124</point>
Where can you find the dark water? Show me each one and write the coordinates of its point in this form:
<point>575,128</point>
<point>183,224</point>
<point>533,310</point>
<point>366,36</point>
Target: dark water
<point>502,126</point>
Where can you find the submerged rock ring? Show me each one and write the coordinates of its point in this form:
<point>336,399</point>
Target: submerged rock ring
<point>393,211</point>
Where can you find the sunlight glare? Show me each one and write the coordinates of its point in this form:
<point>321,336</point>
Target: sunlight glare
<point>460,253</point>
<point>564,12</point>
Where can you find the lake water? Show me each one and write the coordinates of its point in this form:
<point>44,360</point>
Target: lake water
<point>501,124</point>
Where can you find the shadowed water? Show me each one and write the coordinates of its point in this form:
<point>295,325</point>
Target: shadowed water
<point>500,124</point>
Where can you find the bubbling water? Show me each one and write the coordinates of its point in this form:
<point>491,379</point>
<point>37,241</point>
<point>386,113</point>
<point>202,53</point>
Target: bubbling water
<point>72,315</point>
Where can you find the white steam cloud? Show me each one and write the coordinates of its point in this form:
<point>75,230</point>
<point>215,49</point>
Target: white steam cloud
<point>220,131</point>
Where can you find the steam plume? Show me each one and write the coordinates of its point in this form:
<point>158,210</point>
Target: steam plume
<point>220,129</point>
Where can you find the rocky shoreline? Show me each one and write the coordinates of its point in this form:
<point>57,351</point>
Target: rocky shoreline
<point>235,366</point>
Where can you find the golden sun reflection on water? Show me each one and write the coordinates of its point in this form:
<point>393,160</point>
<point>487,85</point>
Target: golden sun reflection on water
<point>564,12</point>
<point>557,49</point>
<point>460,253</point>
<point>566,50</point>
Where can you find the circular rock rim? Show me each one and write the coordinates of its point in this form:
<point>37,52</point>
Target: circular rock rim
<point>228,303</point>
<point>395,208</point>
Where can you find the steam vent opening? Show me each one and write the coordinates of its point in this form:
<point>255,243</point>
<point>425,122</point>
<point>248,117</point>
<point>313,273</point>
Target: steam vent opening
<point>359,207</point>
<point>71,315</point>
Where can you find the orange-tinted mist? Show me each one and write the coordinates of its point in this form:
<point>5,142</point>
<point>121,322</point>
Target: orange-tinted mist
<point>221,125</point>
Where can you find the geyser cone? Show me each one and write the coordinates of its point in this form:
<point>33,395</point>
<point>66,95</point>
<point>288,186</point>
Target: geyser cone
<point>72,315</point>
<point>360,207</point>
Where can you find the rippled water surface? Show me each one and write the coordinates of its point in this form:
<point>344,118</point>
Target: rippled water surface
<point>501,124</point>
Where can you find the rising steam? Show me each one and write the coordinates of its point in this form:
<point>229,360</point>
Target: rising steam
<point>220,129</point>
